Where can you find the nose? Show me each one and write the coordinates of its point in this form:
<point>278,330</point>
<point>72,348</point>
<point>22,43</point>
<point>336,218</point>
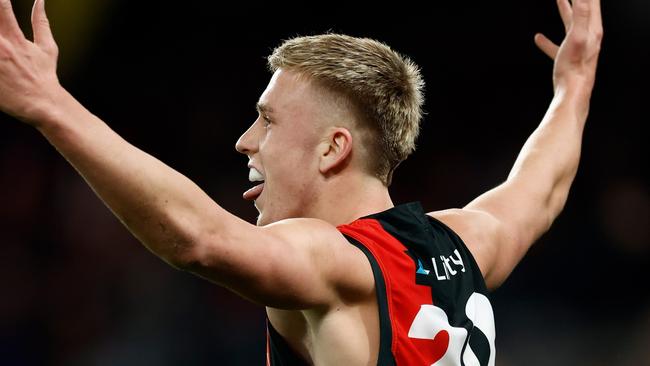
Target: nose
<point>247,142</point>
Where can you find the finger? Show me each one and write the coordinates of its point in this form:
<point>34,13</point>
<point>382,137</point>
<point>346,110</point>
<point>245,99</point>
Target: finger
<point>566,13</point>
<point>41,26</point>
<point>546,45</point>
<point>596,16</point>
<point>581,14</point>
<point>8,25</point>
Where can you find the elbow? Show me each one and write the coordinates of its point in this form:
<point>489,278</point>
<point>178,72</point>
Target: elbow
<point>182,258</point>
<point>186,261</point>
<point>555,205</point>
<point>532,232</point>
<point>556,200</point>
<point>186,252</point>
<point>200,258</point>
<point>191,256</point>
<point>186,247</point>
<point>560,193</point>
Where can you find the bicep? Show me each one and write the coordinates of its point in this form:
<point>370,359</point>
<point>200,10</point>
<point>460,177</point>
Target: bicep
<point>292,264</point>
<point>520,208</point>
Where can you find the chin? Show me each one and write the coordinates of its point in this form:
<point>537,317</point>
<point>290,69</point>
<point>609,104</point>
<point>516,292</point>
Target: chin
<point>266,218</point>
<point>263,220</point>
<point>260,220</point>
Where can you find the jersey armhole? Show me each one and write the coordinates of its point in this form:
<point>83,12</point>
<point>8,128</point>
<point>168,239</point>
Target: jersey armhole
<point>385,355</point>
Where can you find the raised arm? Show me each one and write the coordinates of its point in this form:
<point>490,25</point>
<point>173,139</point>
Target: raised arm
<point>279,265</point>
<point>501,225</point>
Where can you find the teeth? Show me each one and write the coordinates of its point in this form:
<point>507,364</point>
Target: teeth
<point>255,176</point>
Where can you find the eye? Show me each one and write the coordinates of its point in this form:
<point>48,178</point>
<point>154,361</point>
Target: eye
<point>267,121</point>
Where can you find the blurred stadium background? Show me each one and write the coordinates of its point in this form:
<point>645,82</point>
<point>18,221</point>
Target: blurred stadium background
<point>180,80</point>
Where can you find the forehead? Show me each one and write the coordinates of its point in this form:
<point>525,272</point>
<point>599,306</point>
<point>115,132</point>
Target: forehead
<point>290,94</point>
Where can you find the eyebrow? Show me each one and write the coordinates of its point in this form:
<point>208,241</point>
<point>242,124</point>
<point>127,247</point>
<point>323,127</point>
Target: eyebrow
<point>263,108</point>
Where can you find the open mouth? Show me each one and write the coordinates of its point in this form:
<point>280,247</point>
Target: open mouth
<point>254,176</point>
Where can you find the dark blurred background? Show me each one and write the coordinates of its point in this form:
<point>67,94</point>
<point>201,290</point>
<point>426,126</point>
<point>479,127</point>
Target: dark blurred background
<point>180,80</point>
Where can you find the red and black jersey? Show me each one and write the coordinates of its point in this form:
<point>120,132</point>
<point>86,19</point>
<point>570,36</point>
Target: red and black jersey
<point>432,299</point>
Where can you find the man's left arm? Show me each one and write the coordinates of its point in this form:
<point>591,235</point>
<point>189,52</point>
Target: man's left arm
<point>500,225</point>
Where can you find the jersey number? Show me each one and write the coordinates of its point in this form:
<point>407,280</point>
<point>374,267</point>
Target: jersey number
<point>474,349</point>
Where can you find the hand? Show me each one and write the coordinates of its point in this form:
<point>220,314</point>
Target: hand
<point>577,57</point>
<point>28,82</point>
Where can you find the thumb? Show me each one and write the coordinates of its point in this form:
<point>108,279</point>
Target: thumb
<point>41,26</point>
<point>546,45</point>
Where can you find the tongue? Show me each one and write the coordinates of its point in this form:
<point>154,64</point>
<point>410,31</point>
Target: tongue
<point>254,192</point>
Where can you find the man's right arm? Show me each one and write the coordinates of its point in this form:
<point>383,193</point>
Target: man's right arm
<point>284,265</point>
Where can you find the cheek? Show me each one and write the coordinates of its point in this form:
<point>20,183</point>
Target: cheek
<point>289,151</point>
<point>292,168</point>
<point>291,171</point>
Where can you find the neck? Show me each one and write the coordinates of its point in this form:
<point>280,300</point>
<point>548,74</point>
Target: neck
<point>345,199</point>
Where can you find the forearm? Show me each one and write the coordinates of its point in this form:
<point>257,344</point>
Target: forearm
<point>548,161</point>
<point>505,221</point>
<point>162,208</point>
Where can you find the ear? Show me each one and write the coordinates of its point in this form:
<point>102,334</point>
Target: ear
<point>336,150</point>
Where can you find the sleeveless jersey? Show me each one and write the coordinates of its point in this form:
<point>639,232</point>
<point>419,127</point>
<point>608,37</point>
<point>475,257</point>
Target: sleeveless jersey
<point>432,299</point>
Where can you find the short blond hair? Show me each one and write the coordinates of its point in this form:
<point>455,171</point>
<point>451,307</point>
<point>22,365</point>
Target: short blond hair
<point>385,88</point>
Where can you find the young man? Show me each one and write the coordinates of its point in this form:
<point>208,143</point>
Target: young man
<point>347,278</point>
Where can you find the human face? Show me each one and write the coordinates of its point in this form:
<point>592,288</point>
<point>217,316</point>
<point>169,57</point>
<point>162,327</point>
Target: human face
<point>283,146</point>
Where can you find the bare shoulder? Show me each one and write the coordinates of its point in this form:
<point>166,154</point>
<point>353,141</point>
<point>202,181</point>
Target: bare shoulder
<point>478,230</point>
<point>338,262</point>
